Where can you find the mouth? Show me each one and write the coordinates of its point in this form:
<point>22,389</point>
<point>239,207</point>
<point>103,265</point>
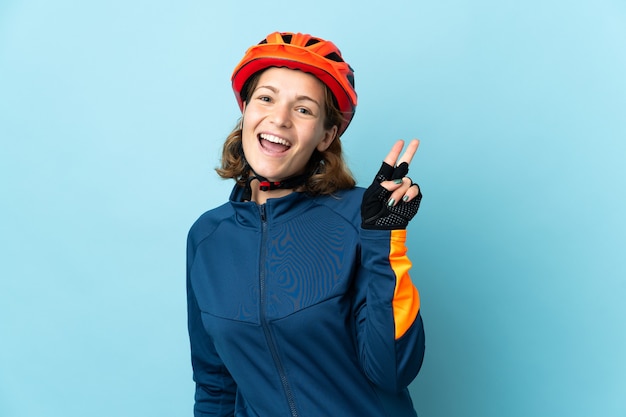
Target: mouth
<point>273,144</point>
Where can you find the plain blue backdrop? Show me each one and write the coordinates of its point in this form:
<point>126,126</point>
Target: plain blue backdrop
<point>112,115</point>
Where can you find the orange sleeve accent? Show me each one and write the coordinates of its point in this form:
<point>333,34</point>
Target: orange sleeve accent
<point>406,299</point>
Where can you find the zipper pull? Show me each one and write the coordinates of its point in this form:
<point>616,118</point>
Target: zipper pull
<point>262,212</point>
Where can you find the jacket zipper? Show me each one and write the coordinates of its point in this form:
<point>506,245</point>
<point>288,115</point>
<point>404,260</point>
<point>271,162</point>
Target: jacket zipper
<point>264,323</point>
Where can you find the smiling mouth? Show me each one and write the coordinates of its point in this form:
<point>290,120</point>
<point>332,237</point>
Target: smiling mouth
<point>273,143</point>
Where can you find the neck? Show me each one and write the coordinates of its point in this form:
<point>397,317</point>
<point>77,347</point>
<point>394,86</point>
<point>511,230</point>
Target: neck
<point>260,197</point>
<point>259,188</point>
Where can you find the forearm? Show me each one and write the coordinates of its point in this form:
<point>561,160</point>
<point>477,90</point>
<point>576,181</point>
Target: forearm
<point>391,336</point>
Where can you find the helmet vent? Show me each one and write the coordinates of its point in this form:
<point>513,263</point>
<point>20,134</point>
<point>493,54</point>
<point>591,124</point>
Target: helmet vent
<point>286,38</point>
<point>334,56</point>
<point>312,41</point>
<point>350,78</point>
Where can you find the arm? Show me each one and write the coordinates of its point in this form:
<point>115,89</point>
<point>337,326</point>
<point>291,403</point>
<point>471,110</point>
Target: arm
<point>215,388</point>
<point>390,332</point>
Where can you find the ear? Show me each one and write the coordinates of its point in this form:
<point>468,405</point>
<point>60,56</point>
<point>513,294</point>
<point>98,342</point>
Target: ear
<point>327,140</point>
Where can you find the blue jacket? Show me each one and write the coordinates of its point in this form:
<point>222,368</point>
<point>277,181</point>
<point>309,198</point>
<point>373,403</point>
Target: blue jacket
<point>295,310</point>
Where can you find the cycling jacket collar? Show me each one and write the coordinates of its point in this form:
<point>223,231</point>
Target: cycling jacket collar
<point>274,209</point>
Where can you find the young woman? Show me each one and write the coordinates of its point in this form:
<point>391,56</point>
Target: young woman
<point>299,298</point>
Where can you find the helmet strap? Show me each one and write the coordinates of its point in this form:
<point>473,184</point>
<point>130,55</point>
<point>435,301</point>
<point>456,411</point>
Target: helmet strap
<point>267,185</point>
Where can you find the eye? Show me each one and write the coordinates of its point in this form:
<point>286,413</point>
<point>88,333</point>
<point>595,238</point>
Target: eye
<point>304,110</point>
<point>266,99</point>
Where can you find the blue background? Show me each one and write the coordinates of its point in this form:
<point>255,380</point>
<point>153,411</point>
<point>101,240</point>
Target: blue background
<point>112,115</point>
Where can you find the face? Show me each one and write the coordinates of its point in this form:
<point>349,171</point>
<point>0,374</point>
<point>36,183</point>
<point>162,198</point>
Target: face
<point>283,123</point>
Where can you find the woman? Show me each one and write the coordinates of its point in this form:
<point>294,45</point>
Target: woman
<point>299,298</point>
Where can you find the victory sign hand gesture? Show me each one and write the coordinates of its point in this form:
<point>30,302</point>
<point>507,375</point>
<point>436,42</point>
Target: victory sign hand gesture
<point>393,198</point>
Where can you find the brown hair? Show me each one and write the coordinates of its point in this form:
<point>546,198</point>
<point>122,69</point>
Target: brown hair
<point>329,172</point>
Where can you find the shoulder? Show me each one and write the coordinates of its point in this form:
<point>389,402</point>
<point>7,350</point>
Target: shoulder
<point>352,196</point>
<point>345,203</point>
<point>206,224</point>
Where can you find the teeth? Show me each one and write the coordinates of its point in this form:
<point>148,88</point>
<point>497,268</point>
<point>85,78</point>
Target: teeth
<point>274,139</point>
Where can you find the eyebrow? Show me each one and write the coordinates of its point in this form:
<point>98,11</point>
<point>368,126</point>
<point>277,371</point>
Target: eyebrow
<point>298,98</point>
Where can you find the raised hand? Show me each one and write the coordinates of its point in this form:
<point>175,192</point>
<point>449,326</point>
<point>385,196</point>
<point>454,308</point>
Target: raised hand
<point>393,198</point>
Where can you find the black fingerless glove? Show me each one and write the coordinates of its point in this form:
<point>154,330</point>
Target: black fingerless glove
<point>375,213</point>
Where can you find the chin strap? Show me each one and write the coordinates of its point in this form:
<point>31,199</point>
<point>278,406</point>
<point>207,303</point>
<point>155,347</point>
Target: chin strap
<point>267,185</point>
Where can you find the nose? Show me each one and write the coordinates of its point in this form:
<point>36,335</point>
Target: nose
<point>281,115</point>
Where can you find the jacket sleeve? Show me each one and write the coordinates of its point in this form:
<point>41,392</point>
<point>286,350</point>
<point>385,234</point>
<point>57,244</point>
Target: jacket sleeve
<point>215,388</point>
<point>390,333</point>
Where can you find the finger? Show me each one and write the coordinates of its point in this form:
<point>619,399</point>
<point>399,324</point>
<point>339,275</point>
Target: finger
<point>410,152</point>
<point>411,193</point>
<point>400,191</point>
<point>393,155</point>
<point>392,185</point>
<point>400,171</point>
<point>384,173</point>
